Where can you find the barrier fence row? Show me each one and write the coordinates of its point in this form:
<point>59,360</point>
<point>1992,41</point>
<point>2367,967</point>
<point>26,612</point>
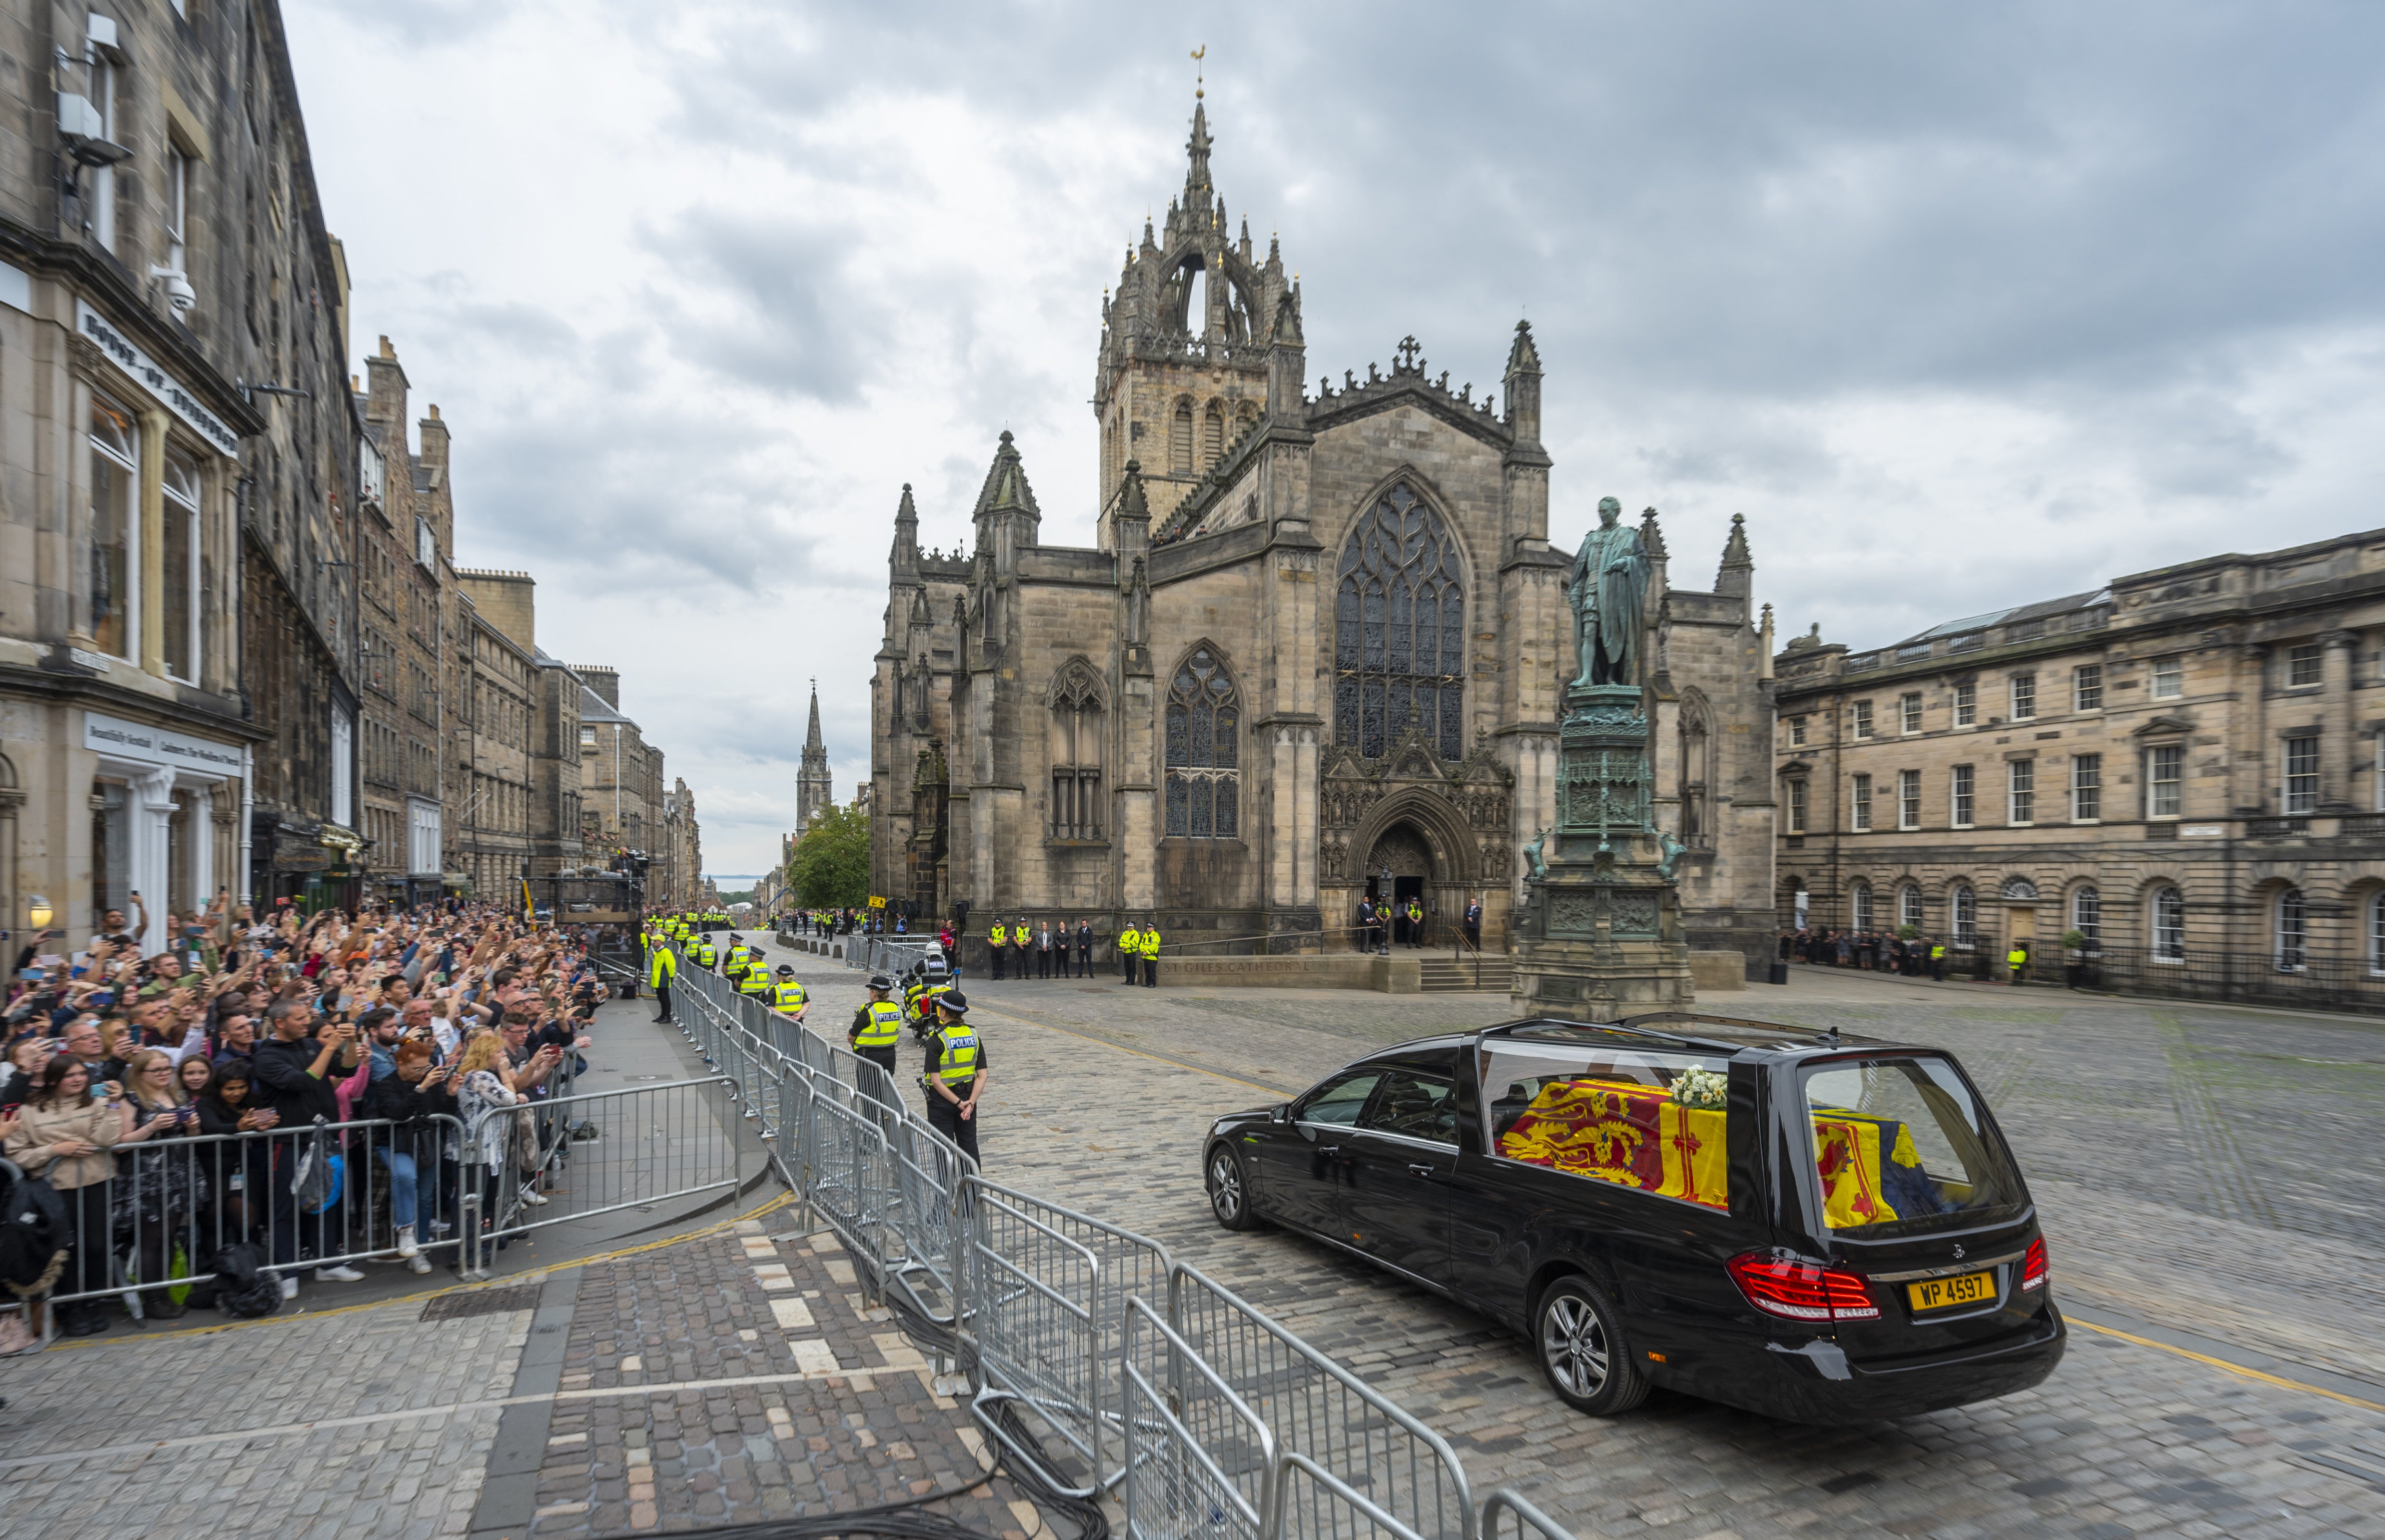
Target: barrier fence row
<point>1098,1361</point>
<point>330,1194</point>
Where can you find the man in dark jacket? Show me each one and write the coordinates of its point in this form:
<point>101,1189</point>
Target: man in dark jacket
<point>294,1071</point>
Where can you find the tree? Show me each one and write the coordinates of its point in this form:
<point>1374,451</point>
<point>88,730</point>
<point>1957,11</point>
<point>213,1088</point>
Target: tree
<point>830,866</point>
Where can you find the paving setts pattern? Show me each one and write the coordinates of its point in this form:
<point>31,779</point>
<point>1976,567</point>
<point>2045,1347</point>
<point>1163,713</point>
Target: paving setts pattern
<point>2143,1127</point>
<point>854,1421</point>
<point>346,1421</point>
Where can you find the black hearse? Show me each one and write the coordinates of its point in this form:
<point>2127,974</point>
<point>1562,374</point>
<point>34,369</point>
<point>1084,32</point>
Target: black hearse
<point>1818,1228</point>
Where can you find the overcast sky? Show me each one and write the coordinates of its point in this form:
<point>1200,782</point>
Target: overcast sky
<point>1962,306</point>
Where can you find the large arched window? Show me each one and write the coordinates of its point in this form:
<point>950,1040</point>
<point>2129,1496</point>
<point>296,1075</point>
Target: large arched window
<point>1205,722</point>
<point>1908,906</point>
<point>1695,751</point>
<point>1212,435</point>
<point>2169,924</point>
<point>2376,933</point>
<point>1179,440</point>
<point>1859,900</point>
<point>1399,643</point>
<point>1076,750</point>
<point>2293,931</point>
<point>2087,915</point>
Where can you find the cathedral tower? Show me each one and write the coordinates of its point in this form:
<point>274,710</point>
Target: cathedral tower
<point>1184,369</point>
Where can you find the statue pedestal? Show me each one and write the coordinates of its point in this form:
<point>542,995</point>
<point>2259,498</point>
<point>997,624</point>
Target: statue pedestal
<point>1600,937</point>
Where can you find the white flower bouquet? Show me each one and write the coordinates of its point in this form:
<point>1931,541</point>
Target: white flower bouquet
<point>1708,1090</point>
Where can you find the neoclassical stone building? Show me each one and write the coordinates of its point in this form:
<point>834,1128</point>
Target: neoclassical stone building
<point>1317,650</point>
<point>2186,768</point>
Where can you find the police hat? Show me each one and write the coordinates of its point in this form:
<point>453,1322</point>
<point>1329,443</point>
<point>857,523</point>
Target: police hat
<point>879,981</point>
<point>786,967</point>
<point>954,1001</point>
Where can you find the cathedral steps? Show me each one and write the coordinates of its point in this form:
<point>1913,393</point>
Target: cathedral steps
<point>1442,976</point>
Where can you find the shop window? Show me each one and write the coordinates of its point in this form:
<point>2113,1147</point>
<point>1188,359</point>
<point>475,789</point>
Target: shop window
<point>179,573</point>
<point>114,602</point>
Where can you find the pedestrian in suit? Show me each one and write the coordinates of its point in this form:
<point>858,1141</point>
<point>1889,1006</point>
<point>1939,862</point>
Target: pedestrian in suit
<point>1084,948</point>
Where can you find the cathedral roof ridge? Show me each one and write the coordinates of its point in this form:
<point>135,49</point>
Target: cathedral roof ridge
<point>1409,374</point>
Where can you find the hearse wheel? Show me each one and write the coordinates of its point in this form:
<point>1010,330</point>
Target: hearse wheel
<point>1230,1193</point>
<point>1578,1333</point>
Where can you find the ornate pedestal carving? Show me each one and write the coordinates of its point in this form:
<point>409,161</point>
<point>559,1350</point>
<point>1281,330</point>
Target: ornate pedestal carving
<point>1600,938</point>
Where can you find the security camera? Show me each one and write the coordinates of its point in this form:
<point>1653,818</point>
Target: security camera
<point>179,291</point>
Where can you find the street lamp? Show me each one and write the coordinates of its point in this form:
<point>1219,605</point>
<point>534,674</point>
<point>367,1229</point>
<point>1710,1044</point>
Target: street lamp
<point>37,911</point>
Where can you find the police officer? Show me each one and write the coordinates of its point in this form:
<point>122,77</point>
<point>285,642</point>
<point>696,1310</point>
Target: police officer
<point>787,997</point>
<point>878,1027</point>
<point>2017,960</point>
<point>1129,945</point>
<point>704,954</point>
<point>956,1074</point>
<point>662,966</point>
<point>755,978</point>
<point>1022,941</point>
<point>1147,942</point>
<point>1937,959</point>
<point>997,942</point>
<point>1415,925</point>
<point>739,956</point>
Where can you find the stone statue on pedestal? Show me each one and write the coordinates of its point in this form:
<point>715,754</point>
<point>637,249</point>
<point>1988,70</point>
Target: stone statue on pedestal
<point>1606,590</point>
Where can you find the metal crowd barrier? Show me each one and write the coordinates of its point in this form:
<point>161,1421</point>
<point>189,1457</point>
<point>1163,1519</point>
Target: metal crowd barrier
<point>176,1202</point>
<point>606,1150</point>
<point>1099,1360</point>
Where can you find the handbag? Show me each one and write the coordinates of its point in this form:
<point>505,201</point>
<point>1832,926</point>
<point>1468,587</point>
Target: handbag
<point>320,1173</point>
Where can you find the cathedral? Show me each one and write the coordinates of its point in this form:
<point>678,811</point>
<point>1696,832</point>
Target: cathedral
<point>1316,654</point>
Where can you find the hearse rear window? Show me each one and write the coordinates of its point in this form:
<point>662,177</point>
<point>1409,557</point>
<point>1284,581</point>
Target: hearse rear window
<point>1642,1118</point>
<point>1899,1141</point>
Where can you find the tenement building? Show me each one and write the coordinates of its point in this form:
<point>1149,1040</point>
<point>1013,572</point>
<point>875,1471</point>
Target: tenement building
<point>1317,652</point>
<point>2186,769</point>
<point>176,468</point>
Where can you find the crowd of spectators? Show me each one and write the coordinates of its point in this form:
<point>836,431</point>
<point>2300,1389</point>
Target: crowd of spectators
<point>319,1089</point>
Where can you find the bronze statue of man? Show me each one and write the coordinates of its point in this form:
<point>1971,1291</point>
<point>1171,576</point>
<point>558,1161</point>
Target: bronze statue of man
<point>1608,582</point>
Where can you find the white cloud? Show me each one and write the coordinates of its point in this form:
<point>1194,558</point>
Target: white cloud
<point>1961,309</point>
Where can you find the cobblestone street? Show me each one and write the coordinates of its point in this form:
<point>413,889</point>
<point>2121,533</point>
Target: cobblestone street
<point>2175,1151</point>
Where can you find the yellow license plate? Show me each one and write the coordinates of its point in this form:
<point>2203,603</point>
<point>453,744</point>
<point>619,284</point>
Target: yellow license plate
<point>1936,1294</point>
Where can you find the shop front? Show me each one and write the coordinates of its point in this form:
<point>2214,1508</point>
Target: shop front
<point>165,812</point>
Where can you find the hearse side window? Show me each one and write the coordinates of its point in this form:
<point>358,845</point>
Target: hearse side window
<point>1418,1106</point>
<point>1340,1102</point>
<point>1898,1143</point>
<point>1634,1117</point>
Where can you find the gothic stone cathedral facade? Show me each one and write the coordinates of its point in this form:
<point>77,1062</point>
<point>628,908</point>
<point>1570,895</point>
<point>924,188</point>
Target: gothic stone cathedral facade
<point>1321,638</point>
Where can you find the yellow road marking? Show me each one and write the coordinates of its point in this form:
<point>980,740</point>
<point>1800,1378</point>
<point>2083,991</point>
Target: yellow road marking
<point>2237,1369</point>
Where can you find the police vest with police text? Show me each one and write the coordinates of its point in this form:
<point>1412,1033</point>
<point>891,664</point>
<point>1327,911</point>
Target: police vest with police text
<point>753,981</point>
<point>959,1064</point>
<point>884,1028</point>
<point>788,995</point>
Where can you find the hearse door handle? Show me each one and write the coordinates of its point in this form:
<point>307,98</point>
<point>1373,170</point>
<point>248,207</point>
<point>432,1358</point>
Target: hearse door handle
<point>1329,1149</point>
<point>1422,1171</point>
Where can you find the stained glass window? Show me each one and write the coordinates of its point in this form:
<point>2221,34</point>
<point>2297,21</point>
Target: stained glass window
<point>1399,635</point>
<point>1204,752</point>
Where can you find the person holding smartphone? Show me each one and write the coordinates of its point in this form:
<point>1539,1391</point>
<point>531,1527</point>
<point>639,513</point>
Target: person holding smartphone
<point>156,1198</point>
